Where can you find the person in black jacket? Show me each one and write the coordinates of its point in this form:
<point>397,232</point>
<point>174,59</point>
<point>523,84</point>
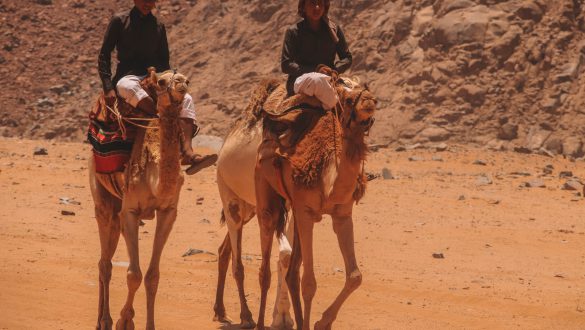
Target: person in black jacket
<point>313,43</point>
<point>140,40</point>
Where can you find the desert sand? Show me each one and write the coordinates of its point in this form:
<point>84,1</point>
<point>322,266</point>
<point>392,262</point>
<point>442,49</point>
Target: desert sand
<point>513,256</point>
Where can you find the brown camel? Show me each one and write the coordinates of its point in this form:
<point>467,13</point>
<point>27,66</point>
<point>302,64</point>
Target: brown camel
<point>235,179</point>
<point>322,173</point>
<point>151,182</point>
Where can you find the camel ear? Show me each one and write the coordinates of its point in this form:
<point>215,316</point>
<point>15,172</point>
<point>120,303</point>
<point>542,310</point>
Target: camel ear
<point>152,73</point>
<point>161,82</point>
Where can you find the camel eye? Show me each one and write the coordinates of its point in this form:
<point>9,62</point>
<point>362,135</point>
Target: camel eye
<point>349,101</point>
<point>187,82</point>
<point>161,83</point>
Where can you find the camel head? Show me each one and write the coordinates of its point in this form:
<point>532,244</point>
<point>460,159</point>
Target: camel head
<point>358,104</point>
<point>171,87</point>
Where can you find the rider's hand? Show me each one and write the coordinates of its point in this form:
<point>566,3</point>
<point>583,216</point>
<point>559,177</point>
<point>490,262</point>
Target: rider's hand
<point>324,69</point>
<point>110,97</point>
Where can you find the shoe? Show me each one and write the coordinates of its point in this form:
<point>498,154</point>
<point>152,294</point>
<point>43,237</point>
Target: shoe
<point>201,163</point>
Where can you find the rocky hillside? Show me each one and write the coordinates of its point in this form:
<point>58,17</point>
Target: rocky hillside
<point>492,72</point>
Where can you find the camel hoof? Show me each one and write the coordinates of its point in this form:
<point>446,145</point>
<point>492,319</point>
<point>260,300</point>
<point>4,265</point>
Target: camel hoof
<point>222,319</point>
<point>321,325</point>
<point>125,325</point>
<point>282,321</point>
<point>247,324</point>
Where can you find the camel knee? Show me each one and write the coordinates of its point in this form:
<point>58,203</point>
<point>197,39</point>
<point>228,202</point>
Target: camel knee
<point>105,269</point>
<point>354,280</point>
<point>234,210</point>
<point>151,280</point>
<point>134,279</point>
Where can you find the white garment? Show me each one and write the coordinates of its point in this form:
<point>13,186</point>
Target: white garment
<point>130,90</point>
<point>317,85</point>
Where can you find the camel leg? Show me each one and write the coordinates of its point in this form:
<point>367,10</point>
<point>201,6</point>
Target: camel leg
<point>343,227</point>
<point>134,275</point>
<point>281,315</point>
<point>305,224</point>
<point>164,224</point>
<point>269,209</point>
<point>235,223</point>
<point>293,277</point>
<point>224,252</point>
<point>106,214</point>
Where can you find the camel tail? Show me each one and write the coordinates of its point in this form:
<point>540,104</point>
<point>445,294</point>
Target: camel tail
<point>259,96</point>
<point>282,218</point>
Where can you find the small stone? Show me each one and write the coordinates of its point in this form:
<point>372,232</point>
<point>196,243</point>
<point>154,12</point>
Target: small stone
<point>438,256</point>
<point>519,173</point>
<point>441,147</point>
<point>522,150</point>
<point>461,198</point>
<point>565,174</point>
<point>372,176</point>
<point>548,169</point>
<point>536,183</point>
<point>386,174</point>
<point>205,221</point>
<point>437,158</point>
<point>45,2</point>
<point>199,201</point>
<point>39,151</point>
<point>191,252</point>
<point>415,158</point>
<point>483,180</point>
<point>480,162</point>
<point>65,212</point>
<point>572,185</point>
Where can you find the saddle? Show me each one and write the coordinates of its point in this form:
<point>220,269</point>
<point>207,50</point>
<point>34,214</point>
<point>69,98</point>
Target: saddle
<point>111,139</point>
<point>299,130</point>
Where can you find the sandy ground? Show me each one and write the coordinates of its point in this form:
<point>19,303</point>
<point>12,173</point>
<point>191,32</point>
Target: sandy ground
<point>513,257</point>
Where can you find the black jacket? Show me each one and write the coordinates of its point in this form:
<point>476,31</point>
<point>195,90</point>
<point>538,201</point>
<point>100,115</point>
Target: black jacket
<point>141,42</point>
<point>304,49</point>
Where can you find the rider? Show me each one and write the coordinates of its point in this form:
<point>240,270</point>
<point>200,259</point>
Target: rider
<point>309,51</point>
<point>141,42</point>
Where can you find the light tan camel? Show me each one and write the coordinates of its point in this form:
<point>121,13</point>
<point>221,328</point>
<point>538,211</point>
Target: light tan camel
<point>235,179</point>
<point>151,182</point>
<point>322,174</point>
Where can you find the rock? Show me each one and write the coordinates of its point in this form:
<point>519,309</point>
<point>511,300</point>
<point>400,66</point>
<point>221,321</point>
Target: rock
<point>448,6</point>
<point>573,147</point>
<point>386,174</point>
<point>536,138</point>
<point>438,256</point>
<point>415,158</point>
<point>529,10</point>
<point>441,147</point>
<point>483,180</point>
<point>550,104</point>
<point>67,213</point>
<point>199,201</point>
<point>565,174</point>
<point>372,176</point>
<point>548,169</point>
<point>572,185</point>
<point>480,162</point>
<point>568,72</point>
<point>461,198</point>
<point>536,183</point>
<point>39,151</point>
<point>45,2</point>
<point>437,158</point>
<point>205,221</point>
<point>522,150</point>
<point>422,20</point>
<point>472,94</point>
<point>554,145</point>
<point>59,89</point>
<point>435,134</point>
<point>517,173</point>
<point>505,46</point>
<point>68,201</point>
<point>508,132</point>
<point>191,252</point>
<point>45,102</point>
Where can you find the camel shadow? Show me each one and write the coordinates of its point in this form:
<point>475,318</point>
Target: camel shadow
<point>228,326</point>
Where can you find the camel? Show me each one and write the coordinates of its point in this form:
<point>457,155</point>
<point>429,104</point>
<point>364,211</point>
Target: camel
<point>235,179</point>
<point>151,182</point>
<point>323,173</point>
